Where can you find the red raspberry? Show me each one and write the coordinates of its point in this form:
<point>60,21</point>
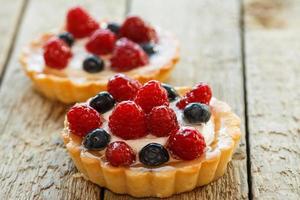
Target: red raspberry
<point>56,53</point>
<point>128,55</point>
<point>83,119</point>
<point>101,42</point>
<point>200,93</point>
<point>138,30</point>
<point>186,144</point>
<point>152,94</point>
<point>128,121</point>
<point>119,154</point>
<point>162,121</point>
<point>80,23</point>
<point>122,87</point>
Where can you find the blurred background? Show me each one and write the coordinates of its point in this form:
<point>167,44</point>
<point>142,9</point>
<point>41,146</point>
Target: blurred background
<point>247,50</point>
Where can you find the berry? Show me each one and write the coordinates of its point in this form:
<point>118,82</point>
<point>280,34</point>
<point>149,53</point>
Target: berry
<point>56,53</point>
<point>113,27</point>
<point>122,87</point>
<point>197,113</point>
<point>67,38</point>
<point>162,121</point>
<point>93,64</point>
<point>172,94</point>
<point>149,48</point>
<point>152,94</point>
<point>101,42</point>
<point>128,55</point>
<point>186,144</point>
<point>98,139</point>
<point>137,30</point>
<point>153,154</point>
<point>80,23</point>
<point>102,102</point>
<point>120,154</point>
<point>83,119</point>
<point>201,93</point>
<point>128,121</point>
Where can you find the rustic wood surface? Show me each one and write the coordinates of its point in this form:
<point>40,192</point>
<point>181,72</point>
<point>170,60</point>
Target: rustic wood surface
<point>272,46</point>
<point>249,53</point>
<point>10,17</point>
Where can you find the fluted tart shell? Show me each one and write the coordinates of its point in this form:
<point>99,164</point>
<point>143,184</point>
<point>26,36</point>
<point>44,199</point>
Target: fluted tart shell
<point>64,89</point>
<point>169,179</point>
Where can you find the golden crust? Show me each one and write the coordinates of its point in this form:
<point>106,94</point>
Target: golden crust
<point>67,91</point>
<point>173,179</point>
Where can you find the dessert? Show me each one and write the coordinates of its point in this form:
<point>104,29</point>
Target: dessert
<point>156,141</point>
<point>75,62</point>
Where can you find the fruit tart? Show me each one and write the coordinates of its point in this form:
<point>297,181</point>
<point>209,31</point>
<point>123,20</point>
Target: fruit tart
<point>75,63</point>
<point>151,139</point>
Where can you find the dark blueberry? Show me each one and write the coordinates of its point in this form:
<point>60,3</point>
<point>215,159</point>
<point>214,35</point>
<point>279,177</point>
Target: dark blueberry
<point>197,113</point>
<point>113,27</point>
<point>93,64</point>
<point>67,38</point>
<point>102,102</point>
<point>96,140</point>
<point>153,154</point>
<point>149,48</point>
<point>172,94</point>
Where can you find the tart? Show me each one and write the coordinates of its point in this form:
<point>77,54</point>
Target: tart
<point>157,141</point>
<point>75,63</point>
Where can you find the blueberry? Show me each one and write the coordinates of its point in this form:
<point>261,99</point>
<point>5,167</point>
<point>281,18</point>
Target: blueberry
<point>197,113</point>
<point>93,64</point>
<point>149,48</point>
<point>67,38</point>
<point>172,94</point>
<point>113,27</point>
<point>96,140</point>
<point>153,154</point>
<point>102,102</point>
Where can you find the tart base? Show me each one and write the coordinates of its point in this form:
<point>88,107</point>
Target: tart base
<point>67,91</point>
<point>169,180</point>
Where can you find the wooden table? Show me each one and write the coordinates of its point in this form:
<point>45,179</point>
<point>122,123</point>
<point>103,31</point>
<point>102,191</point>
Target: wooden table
<point>249,51</point>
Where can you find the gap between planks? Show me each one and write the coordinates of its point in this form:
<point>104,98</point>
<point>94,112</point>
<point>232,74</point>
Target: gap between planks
<point>243,60</point>
<point>11,44</point>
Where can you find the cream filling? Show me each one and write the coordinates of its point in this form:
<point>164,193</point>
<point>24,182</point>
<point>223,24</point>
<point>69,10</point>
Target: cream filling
<point>206,129</point>
<point>167,48</point>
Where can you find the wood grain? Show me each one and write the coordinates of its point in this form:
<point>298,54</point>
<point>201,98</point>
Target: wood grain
<point>209,34</point>
<point>10,14</point>
<point>272,63</point>
<point>34,163</point>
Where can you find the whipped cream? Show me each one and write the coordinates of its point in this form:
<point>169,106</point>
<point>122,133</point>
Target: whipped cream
<point>167,48</point>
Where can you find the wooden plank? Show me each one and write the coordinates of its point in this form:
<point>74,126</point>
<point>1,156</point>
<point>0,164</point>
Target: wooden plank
<point>210,51</point>
<point>34,163</point>
<point>272,63</point>
<point>10,14</point>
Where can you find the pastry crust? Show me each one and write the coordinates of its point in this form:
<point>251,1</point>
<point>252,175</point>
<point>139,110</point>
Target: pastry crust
<point>168,180</point>
<point>67,91</point>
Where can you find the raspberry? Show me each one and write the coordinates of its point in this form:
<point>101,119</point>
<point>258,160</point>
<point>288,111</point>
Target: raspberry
<point>119,154</point>
<point>152,94</point>
<point>137,30</point>
<point>80,23</point>
<point>122,87</point>
<point>201,93</point>
<point>83,119</point>
<point>186,144</point>
<point>128,121</point>
<point>56,53</point>
<point>101,42</point>
<point>128,55</point>
<point>162,121</point>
